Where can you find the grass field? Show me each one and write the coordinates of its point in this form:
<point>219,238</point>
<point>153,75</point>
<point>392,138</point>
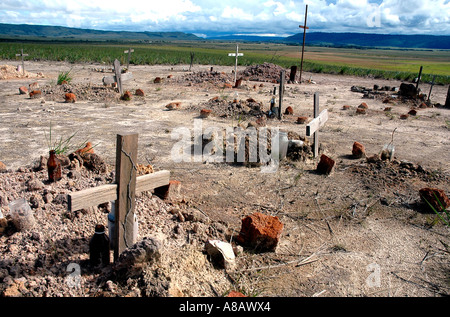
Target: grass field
<point>379,63</point>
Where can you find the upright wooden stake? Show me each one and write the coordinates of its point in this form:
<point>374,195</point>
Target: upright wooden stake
<point>237,54</point>
<point>304,27</point>
<point>126,158</point>
<point>281,92</point>
<point>431,87</point>
<point>447,101</point>
<point>129,51</point>
<point>418,78</point>
<point>316,134</point>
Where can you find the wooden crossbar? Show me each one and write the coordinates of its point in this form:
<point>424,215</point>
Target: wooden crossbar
<point>104,193</point>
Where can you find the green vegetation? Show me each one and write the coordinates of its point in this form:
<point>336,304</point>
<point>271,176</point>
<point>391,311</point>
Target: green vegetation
<point>387,64</point>
<point>64,77</point>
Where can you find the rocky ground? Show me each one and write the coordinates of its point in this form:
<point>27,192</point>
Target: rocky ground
<point>361,230</point>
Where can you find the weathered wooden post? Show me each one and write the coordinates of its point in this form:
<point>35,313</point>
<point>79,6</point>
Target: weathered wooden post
<point>23,63</point>
<point>431,88</point>
<point>118,77</point>
<point>293,74</point>
<point>192,60</point>
<point>304,27</point>
<point>129,51</point>
<point>418,79</point>
<point>313,127</point>
<point>126,169</point>
<point>281,92</point>
<point>237,54</point>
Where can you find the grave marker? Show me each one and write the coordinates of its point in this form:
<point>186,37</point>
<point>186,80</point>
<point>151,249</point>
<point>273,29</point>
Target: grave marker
<point>118,77</point>
<point>281,92</point>
<point>304,27</point>
<point>129,51</point>
<point>237,54</point>
<point>319,120</point>
<point>23,63</point>
<point>122,191</point>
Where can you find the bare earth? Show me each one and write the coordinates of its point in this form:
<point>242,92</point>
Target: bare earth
<point>340,230</point>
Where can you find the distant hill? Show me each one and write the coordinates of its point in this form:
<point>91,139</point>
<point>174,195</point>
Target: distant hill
<point>27,31</point>
<point>373,40</point>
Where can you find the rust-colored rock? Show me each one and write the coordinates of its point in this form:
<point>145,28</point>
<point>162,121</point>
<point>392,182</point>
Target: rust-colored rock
<point>173,106</point>
<point>139,92</point>
<point>361,110</point>
<point>70,97</point>
<point>87,149</point>
<point>345,107</point>
<point>170,191</point>
<point>423,105</point>
<point>23,90</point>
<point>302,120</point>
<point>126,96</point>
<point>157,80</point>
<point>226,85</point>
<point>404,116</point>
<point>289,111</point>
<point>35,94</point>
<point>363,105</point>
<point>358,150</point>
<point>33,86</point>
<point>204,113</point>
<point>325,165</point>
<point>412,112</point>
<point>261,232</point>
<point>388,109</point>
<point>235,294</point>
<point>436,197</point>
<point>2,167</point>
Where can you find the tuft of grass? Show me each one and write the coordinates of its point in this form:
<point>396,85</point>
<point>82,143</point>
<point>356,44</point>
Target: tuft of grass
<point>445,211</point>
<point>64,77</point>
<point>60,145</point>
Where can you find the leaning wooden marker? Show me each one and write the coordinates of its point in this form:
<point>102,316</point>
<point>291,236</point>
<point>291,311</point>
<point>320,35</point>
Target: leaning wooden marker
<point>23,63</point>
<point>237,54</point>
<point>123,191</point>
<point>304,27</point>
<point>319,120</point>
<point>118,77</point>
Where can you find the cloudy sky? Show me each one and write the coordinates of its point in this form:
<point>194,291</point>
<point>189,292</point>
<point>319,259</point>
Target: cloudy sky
<point>209,17</point>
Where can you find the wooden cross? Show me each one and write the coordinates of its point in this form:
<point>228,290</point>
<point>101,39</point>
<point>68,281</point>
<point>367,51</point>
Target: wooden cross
<point>129,51</point>
<point>123,191</point>
<point>118,77</point>
<point>304,27</point>
<point>319,120</point>
<point>23,63</point>
<point>237,54</point>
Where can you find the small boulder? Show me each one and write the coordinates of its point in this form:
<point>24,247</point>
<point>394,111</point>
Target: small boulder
<point>35,94</point>
<point>363,105</point>
<point>289,111</point>
<point>139,92</point>
<point>302,120</point>
<point>358,150</point>
<point>221,253</point>
<point>261,232</point>
<point>361,110</point>
<point>126,96</point>
<point>23,90</point>
<point>70,98</point>
<point>436,197</point>
<point>173,106</point>
<point>157,80</point>
<point>205,113</point>
<point>325,165</point>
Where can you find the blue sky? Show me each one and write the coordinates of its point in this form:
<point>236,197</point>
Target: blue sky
<point>208,17</point>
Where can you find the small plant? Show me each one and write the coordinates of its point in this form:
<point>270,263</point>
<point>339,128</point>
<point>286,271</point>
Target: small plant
<point>64,78</point>
<point>60,146</point>
<point>445,211</point>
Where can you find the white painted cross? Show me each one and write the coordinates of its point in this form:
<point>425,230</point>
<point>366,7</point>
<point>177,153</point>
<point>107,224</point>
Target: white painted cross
<point>122,191</point>
<point>237,54</point>
<point>129,51</point>
<point>319,120</point>
<point>118,77</point>
<point>23,64</point>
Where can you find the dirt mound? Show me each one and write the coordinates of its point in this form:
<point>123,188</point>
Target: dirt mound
<point>11,72</point>
<point>83,92</point>
<point>266,72</point>
<point>243,109</point>
<point>212,77</point>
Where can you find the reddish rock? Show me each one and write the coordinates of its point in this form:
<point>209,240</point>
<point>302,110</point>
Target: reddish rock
<point>226,85</point>
<point>140,92</point>
<point>325,165</point>
<point>345,107</point>
<point>157,80</point>
<point>2,167</point>
<point>302,120</point>
<point>70,97</point>
<point>235,294</point>
<point>363,105</point>
<point>412,112</point>
<point>361,110</point>
<point>358,150</point>
<point>173,105</point>
<point>23,90</point>
<point>204,113</point>
<point>35,94</point>
<point>423,105</point>
<point>388,109</point>
<point>289,111</point>
<point>216,98</point>
<point>261,232</point>
<point>404,116</point>
<point>169,76</point>
<point>126,96</point>
<point>434,196</point>
<point>170,191</point>
<point>33,86</point>
<point>87,149</point>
